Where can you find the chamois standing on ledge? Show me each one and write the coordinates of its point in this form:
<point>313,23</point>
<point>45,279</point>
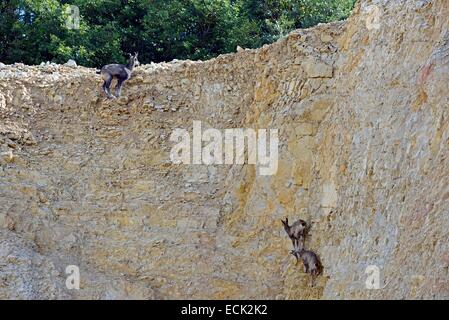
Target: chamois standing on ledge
<point>121,72</point>
<point>297,232</point>
<point>312,263</point>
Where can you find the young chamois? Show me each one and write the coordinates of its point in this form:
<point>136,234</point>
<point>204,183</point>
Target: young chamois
<point>312,263</point>
<point>121,72</point>
<point>297,232</point>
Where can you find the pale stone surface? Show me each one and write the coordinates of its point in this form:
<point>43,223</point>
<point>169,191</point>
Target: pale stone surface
<point>330,197</point>
<point>317,69</point>
<point>70,63</point>
<point>363,129</point>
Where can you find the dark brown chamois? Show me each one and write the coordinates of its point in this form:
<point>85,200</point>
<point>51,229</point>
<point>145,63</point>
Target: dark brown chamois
<point>121,72</point>
<point>297,232</point>
<point>312,263</point>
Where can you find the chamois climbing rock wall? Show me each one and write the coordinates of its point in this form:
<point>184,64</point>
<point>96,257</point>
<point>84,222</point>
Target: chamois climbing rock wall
<point>362,109</point>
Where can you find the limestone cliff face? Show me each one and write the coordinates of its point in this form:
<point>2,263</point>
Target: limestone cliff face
<point>362,108</point>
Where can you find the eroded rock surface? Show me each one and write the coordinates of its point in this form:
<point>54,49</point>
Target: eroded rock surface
<point>362,111</point>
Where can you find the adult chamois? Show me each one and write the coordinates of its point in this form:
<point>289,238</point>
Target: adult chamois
<point>297,232</point>
<point>311,262</point>
<point>121,72</point>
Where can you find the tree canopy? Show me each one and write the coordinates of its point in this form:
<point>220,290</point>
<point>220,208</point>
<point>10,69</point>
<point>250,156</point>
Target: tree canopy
<point>33,31</point>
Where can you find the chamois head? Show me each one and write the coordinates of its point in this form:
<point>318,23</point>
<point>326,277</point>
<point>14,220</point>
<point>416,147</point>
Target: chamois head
<point>286,226</point>
<point>133,61</point>
<point>297,252</point>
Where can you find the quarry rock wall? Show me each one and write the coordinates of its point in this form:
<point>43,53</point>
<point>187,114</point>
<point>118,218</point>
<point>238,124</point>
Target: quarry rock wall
<point>362,111</point>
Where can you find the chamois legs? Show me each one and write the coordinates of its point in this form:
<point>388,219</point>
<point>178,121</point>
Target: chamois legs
<point>298,244</point>
<point>118,87</point>
<point>106,85</point>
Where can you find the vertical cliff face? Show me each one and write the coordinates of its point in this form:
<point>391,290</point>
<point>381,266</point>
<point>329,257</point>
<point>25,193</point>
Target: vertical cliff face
<point>362,112</point>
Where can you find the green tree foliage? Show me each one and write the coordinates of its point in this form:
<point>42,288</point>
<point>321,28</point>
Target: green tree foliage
<point>32,31</point>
